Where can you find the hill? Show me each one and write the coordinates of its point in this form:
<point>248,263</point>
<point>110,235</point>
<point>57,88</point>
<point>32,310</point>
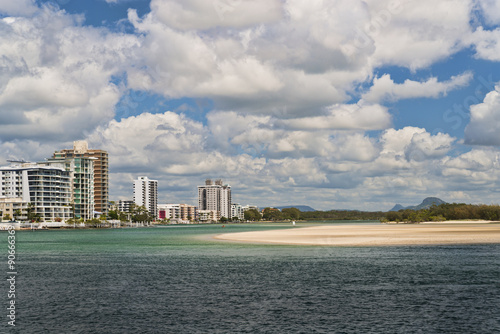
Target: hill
<point>302,208</point>
<point>426,204</point>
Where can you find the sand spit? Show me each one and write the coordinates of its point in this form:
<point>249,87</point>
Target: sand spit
<point>376,235</point>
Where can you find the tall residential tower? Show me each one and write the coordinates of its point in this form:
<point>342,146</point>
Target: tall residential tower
<point>146,194</point>
<point>215,196</point>
<point>100,170</point>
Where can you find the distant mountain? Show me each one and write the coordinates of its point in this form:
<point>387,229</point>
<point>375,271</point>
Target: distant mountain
<point>426,204</point>
<point>397,207</point>
<point>302,208</point>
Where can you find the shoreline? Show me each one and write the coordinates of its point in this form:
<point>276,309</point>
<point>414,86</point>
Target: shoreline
<point>428,233</point>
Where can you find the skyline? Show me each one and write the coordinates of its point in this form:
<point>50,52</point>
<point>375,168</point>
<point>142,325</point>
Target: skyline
<point>331,104</point>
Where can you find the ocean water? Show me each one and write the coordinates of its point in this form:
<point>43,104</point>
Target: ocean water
<point>174,279</point>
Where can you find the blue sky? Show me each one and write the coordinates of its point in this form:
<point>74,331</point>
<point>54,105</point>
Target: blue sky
<point>333,104</point>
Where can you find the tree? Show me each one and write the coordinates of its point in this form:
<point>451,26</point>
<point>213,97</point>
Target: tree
<point>223,219</point>
<point>6,217</point>
<point>30,212</point>
<point>140,214</point>
<point>113,215</point>
<point>272,214</point>
<point>252,215</point>
<point>291,213</point>
<point>235,219</point>
<point>16,214</point>
<point>94,222</point>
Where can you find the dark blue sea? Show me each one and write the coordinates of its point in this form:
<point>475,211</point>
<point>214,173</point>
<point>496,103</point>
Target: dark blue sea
<point>175,279</point>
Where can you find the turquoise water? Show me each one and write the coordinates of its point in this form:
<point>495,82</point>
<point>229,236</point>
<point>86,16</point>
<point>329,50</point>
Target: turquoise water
<point>175,279</point>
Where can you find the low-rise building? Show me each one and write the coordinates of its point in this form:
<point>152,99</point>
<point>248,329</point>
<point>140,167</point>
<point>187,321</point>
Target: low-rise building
<point>14,208</point>
<point>208,215</point>
<point>250,207</point>
<point>177,211</point>
<point>124,206</point>
<point>237,211</point>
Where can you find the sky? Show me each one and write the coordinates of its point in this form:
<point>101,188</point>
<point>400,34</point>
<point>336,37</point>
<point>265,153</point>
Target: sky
<point>335,104</point>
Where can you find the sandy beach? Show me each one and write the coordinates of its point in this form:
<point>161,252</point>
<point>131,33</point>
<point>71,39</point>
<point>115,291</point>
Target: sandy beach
<point>449,233</point>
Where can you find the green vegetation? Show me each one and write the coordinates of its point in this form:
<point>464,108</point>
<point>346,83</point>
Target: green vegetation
<point>140,214</point>
<point>442,212</point>
<point>252,215</point>
<point>342,215</point>
<point>447,211</point>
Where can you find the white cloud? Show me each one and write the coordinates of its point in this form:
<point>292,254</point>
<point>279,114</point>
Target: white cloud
<point>424,146</point>
<point>384,88</point>
<point>491,10</point>
<point>345,117</point>
<point>201,14</point>
<point>415,143</point>
<point>18,7</point>
<point>484,126</point>
<point>414,36</point>
<point>477,167</point>
<point>486,44</point>
<point>56,76</point>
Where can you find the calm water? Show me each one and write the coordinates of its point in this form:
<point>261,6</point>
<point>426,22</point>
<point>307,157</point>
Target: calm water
<point>170,280</point>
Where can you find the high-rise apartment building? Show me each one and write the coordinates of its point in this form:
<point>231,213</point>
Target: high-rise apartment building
<point>100,170</point>
<point>82,184</point>
<point>146,194</point>
<point>46,189</point>
<point>215,196</point>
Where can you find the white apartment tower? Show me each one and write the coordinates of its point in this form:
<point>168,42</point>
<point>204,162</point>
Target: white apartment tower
<point>215,196</point>
<point>146,194</point>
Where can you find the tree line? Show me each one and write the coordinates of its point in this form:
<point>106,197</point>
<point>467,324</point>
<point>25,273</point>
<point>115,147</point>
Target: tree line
<point>442,212</point>
<point>447,211</point>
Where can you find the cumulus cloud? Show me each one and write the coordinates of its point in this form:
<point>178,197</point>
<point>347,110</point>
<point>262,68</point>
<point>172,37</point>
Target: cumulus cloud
<point>486,44</point>
<point>345,117</point>
<point>414,36</point>
<point>490,10</point>
<point>384,88</point>
<point>412,141</point>
<point>56,75</point>
<point>202,15</point>
<point>484,125</point>
<point>478,167</point>
<point>18,8</point>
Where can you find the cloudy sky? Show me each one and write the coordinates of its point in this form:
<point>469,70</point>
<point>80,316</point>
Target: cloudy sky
<point>336,104</point>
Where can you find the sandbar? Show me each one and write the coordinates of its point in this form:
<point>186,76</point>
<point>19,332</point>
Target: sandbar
<point>376,235</point>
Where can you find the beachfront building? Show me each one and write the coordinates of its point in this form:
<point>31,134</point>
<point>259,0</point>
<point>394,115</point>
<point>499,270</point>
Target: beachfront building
<point>82,184</point>
<point>13,208</point>
<point>215,196</point>
<point>46,189</point>
<point>250,207</point>
<point>183,212</point>
<point>146,194</point>
<point>124,206</point>
<point>100,171</point>
<point>237,211</point>
<point>208,216</point>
